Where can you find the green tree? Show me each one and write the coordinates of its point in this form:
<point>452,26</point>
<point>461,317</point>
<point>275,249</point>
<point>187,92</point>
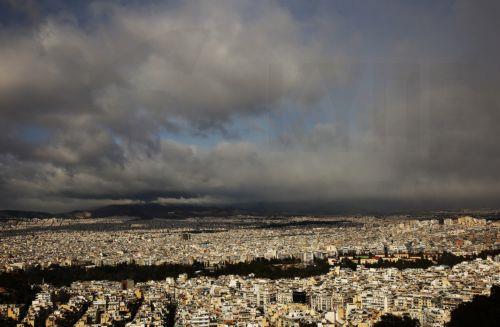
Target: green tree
<point>481,311</point>
<point>389,320</point>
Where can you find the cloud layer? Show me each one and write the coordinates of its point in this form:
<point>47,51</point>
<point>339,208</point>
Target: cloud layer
<point>231,102</point>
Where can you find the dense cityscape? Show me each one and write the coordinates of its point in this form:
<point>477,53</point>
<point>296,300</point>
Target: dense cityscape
<point>249,163</point>
<point>244,270</point>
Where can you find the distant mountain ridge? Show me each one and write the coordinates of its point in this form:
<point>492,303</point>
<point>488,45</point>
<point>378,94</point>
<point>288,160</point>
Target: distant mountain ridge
<point>5,214</point>
<point>146,211</point>
<point>179,211</point>
<point>154,210</point>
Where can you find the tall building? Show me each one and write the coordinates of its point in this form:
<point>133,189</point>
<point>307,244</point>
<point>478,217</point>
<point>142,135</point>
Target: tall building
<point>308,258</point>
<point>201,319</point>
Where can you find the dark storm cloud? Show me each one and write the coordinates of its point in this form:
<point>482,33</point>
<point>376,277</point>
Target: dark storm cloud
<point>87,102</point>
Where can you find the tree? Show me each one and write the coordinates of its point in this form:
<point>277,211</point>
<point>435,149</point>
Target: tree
<point>481,311</point>
<point>7,322</point>
<point>389,320</point>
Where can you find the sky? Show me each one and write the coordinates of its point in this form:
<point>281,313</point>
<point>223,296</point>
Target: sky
<point>364,103</point>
